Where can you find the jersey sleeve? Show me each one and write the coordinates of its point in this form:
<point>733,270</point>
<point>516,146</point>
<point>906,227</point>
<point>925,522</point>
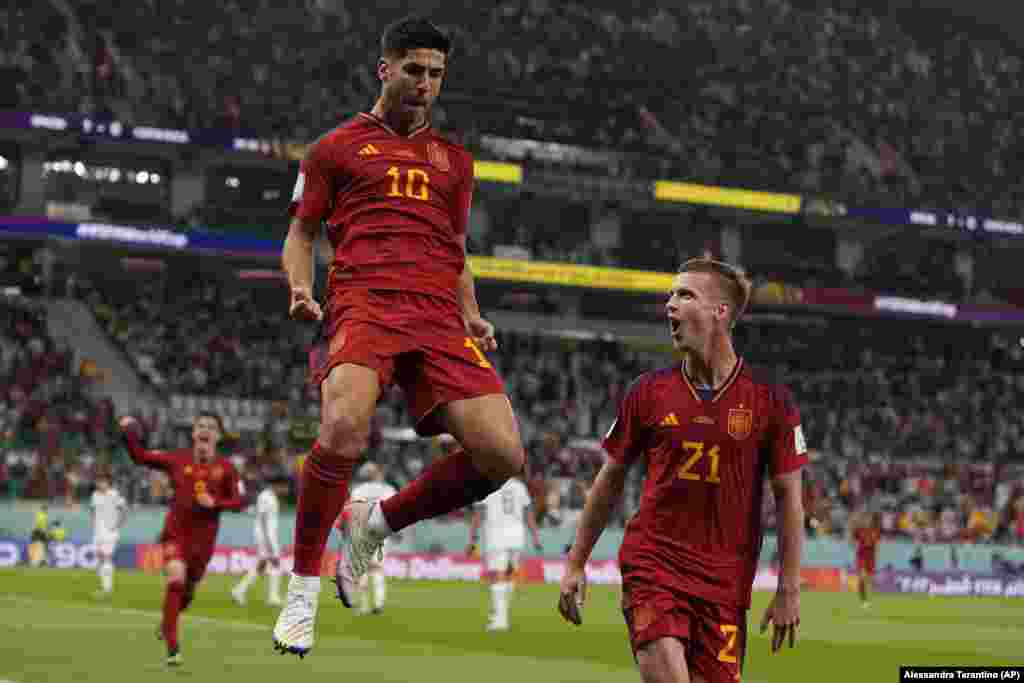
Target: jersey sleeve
<point>462,198</point>
<point>626,439</point>
<point>233,497</point>
<point>314,188</point>
<point>788,447</point>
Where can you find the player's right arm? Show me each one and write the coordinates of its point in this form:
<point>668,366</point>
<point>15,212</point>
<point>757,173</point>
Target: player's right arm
<point>474,530</point>
<point>310,206</point>
<point>604,497</point>
<point>158,459</point>
<point>297,260</point>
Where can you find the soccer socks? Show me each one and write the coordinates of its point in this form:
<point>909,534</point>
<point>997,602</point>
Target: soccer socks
<point>322,494</point>
<point>449,483</point>
<point>363,598</point>
<point>106,572</point>
<point>274,584</point>
<point>499,600</point>
<point>247,580</point>
<point>380,588</point>
<point>173,599</point>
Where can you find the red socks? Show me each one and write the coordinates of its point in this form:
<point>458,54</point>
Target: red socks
<point>449,483</point>
<point>173,599</point>
<point>322,494</point>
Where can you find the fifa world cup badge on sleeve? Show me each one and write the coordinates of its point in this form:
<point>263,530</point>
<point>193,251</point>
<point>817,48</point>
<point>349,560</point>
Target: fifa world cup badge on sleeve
<point>438,157</point>
<point>798,440</point>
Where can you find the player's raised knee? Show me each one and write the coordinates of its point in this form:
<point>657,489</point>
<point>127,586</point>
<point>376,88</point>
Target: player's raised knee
<point>343,433</point>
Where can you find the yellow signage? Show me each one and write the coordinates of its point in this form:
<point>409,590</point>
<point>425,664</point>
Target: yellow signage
<point>498,172</point>
<point>567,275</point>
<point>671,191</point>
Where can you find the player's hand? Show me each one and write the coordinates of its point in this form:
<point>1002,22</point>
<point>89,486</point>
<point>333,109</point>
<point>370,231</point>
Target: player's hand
<point>783,613</point>
<point>205,500</point>
<point>482,333</point>
<point>538,546</point>
<point>572,594</point>
<point>128,424</point>
<point>304,306</point>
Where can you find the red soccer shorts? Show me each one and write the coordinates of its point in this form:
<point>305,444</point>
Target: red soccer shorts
<point>714,635</point>
<point>195,550</point>
<point>416,340</point>
<point>866,563</point>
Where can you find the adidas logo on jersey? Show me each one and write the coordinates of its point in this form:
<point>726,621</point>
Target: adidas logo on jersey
<point>368,150</point>
<point>669,420</point>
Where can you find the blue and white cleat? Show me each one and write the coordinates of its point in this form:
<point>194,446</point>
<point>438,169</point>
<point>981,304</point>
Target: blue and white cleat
<point>294,631</point>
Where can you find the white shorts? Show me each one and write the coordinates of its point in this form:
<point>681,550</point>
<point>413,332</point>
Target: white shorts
<point>105,544</point>
<point>497,561</point>
<point>378,563</point>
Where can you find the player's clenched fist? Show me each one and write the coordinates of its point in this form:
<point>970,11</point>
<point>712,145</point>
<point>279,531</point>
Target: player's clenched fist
<point>482,332</point>
<point>304,306</point>
<point>572,594</point>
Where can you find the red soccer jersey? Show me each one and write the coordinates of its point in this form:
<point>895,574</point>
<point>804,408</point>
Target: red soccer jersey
<point>867,539</point>
<point>218,478</point>
<point>698,529</point>
<point>396,206</point>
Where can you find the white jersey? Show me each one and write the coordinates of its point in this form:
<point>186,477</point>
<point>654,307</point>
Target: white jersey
<point>265,527</point>
<point>504,520</point>
<point>373,490</point>
<point>107,510</point>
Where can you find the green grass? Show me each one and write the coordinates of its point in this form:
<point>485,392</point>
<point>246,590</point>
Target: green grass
<point>52,630</point>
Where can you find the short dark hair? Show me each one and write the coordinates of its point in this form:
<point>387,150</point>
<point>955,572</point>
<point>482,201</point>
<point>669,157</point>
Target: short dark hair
<point>213,416</point>
<point>410,33</point>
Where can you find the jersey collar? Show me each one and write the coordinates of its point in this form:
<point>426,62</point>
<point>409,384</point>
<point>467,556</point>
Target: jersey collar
<point>720,391</point>
<point>380,122</point>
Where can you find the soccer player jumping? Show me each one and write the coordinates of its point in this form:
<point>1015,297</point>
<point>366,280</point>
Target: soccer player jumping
<point>709,429</point>
<point>204,485</point>
<point>400,307</point>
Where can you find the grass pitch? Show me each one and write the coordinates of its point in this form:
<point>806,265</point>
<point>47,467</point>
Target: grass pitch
<point>52,630</point>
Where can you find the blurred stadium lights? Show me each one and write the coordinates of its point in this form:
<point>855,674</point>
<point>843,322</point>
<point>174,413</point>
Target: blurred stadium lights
<point>110,174</point>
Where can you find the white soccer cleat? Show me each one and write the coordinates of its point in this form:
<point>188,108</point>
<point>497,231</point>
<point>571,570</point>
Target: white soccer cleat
<point>238,596</point>
<point>493,626</point>
<point>361,548</point>
<point>294,631</point>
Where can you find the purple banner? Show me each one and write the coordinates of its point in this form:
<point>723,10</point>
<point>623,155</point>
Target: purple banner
<point>949,583</point>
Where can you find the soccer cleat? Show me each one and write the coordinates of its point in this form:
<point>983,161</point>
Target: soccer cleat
<point>294,631</point>
<point>497,626</point>
<point>361,548</point>
<point>174,658</point>
<point>239,597</point>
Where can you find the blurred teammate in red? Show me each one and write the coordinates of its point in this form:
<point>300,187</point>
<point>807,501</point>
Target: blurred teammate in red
<point>400,307</point>
<point>709,430</point>
<point>204,485</point>
<point>866,537</point>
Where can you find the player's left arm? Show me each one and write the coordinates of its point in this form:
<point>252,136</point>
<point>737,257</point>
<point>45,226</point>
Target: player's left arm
<point>122,512</point>
<point>234,498</point>
<point>531,522</point>
<point>480,329</point>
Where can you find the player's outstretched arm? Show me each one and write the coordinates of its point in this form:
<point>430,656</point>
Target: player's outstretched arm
<point>235,498</point>
<point>474,532</point>
<point>604,496</point>
<point>297,260</point>
<point>130,433</point>
<point>784,610</point>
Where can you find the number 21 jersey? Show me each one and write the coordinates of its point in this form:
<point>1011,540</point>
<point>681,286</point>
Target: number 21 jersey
<point>698,528</point>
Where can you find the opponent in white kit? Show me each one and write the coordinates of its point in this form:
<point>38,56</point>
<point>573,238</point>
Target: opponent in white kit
<point>268,547</point>
<point>374,488</point>
<point>506,513</point>
<point>109,510</point>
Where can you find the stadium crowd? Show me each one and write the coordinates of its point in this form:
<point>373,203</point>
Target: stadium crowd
<point>887,408</point>
<point>888,110</point>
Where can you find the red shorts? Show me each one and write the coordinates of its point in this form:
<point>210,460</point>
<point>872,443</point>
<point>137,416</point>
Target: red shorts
<point>415,340</point>
<point>866,563</point>
<point>195,550</point>
<point>714,635</point>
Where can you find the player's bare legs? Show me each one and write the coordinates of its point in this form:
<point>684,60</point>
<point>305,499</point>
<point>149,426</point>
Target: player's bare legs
<point>174,599</point>
<point>664,661</point>
<point>349,398</point>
